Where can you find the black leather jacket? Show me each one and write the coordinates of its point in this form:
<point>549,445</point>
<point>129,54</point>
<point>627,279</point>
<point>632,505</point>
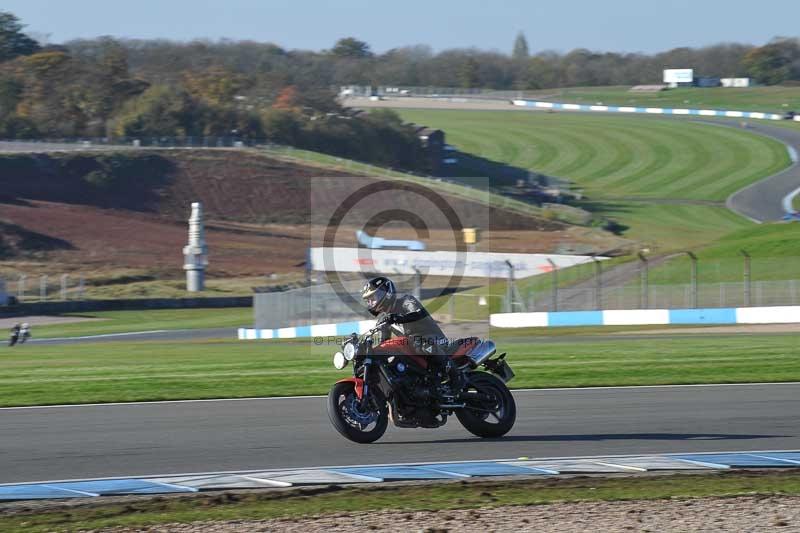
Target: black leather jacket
<point>413,320</point>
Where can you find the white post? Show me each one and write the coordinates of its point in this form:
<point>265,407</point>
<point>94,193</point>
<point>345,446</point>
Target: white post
<point>195,253</point>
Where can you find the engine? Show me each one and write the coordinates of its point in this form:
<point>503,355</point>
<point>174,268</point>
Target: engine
<point>410,381</point>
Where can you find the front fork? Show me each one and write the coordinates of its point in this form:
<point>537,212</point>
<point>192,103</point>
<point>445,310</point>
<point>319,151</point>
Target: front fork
<point>364,401</point>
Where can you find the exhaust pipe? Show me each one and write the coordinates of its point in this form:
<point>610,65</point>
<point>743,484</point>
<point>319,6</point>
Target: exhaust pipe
<point>481,353</point>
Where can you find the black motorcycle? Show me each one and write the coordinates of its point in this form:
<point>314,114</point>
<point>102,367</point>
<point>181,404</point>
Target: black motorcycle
<point>400,386</point>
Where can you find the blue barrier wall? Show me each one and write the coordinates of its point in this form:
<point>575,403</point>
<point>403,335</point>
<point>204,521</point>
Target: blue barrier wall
<point>642,317</point>
<point>318,330</point>
<point>621,317</point>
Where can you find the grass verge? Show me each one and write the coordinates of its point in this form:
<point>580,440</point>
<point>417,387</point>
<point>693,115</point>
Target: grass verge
<point>107,322</point>
<point>141,371</point>
<point>662,181</point>
<point>300,503</point>
<point>772,248</point>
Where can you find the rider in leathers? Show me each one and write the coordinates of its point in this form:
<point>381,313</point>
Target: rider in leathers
<point>407,318</point>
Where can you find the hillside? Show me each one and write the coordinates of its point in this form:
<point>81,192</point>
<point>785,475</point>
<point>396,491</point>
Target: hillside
<point>124,215</point>
<point>663,181</point>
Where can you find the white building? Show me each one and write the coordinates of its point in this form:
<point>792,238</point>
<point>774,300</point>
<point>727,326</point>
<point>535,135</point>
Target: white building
<point>679,77</point>
<point>735,82</point>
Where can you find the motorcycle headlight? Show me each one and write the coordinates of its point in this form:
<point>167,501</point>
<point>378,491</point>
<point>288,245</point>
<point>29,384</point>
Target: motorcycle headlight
<point>339,362</point>
<point>349,351</point>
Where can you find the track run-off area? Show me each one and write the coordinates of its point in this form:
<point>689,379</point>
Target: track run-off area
<point>160,438</point>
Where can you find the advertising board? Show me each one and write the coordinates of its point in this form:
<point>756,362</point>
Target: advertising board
<point>439,263</point>
<point>678,75</point>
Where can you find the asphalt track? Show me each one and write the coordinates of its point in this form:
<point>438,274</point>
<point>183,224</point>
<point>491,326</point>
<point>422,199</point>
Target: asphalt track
<point>48,443</point>
<point>762,201</point>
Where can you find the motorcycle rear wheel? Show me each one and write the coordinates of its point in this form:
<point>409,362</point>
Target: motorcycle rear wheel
<point>489,425</point>
<point>349,421</point>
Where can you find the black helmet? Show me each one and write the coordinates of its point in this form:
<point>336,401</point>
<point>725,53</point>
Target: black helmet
<point>379,294</point>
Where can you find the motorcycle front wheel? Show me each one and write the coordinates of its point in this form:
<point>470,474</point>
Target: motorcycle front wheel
<point>490,418</point>
<point>350,420</point>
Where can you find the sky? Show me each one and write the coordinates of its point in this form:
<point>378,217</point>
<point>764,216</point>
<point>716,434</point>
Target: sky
<point>611,25</point>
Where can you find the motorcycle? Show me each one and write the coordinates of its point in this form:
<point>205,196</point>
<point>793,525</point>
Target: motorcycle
<point>24,334</point>
<point>19,335</point>
<point>400,387</point>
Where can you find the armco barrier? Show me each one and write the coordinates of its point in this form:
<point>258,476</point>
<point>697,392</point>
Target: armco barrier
<point>317,330</point>
<point>642,317</point>
<point>648,110</point>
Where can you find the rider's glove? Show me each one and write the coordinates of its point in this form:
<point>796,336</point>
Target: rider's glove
<point>391,318</point>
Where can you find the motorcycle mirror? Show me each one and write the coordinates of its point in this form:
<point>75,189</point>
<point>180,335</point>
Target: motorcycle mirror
<point>339,362</point>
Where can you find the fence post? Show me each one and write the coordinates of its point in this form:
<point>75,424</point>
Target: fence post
<point>645,281</point>
<point>64,280</point>
<point>694,279</point>
<point>21,287</point>
<point>80,288</point>
<point>417,283</point>
<point>510,288</point>
<point>43,288</point>
<point>554,270</point>
<point>747,278</point>
<point>598,287</point>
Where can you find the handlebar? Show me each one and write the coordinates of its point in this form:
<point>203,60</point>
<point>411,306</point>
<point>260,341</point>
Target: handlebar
<point>379,326</point>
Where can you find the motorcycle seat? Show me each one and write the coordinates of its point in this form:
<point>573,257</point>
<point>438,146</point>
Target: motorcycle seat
<point>458,347</point>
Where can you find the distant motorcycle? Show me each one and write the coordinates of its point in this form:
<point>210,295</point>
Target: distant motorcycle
<point>400,387</point>
<point>19,334</point>
<point>24,333</point>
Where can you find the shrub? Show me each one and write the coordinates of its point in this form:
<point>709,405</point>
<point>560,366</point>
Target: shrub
<point>100,179</point>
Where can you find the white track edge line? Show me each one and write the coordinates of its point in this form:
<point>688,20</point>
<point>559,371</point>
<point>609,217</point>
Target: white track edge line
<point>107,335</point>
<point>787,201</point>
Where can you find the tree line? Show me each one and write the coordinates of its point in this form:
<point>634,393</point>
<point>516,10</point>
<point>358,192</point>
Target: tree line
<point>129,88</point>
<point>152,89</point>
